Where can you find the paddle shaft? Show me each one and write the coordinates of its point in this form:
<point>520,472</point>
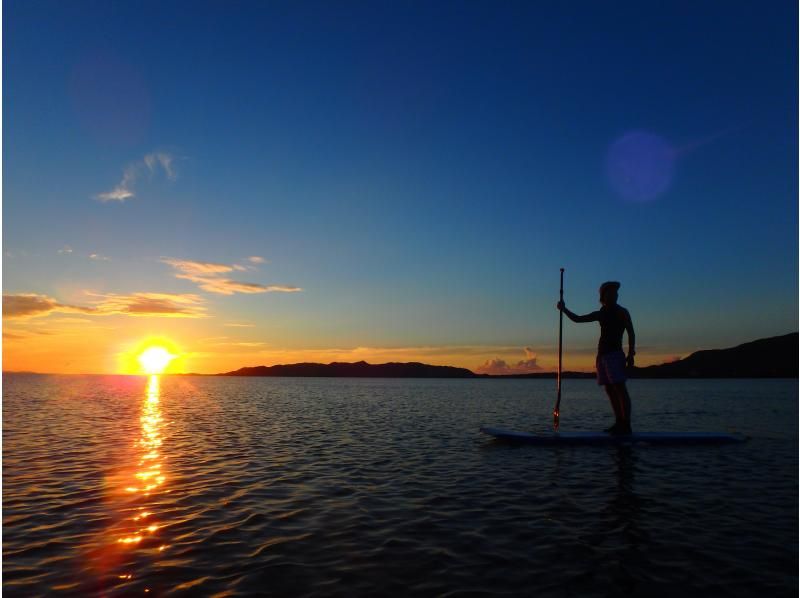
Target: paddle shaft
<point>560,336</point>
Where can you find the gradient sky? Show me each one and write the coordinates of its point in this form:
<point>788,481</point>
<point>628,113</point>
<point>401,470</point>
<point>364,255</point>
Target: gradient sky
<point>396,181</point>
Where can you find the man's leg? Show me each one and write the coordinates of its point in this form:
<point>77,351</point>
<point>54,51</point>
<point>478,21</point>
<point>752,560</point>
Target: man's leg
<point>624,400</point>
<point>613,397</point>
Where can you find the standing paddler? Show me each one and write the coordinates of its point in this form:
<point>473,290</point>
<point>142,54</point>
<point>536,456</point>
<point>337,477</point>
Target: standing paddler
<point>611,361</point>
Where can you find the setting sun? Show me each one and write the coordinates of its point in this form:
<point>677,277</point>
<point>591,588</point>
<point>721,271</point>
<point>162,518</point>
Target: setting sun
<point>155,360</point>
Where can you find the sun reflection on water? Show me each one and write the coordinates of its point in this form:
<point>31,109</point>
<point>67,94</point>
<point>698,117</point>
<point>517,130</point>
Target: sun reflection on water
<point>137,488</point>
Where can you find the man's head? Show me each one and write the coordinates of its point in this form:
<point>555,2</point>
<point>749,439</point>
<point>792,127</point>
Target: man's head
<point>608,292</point>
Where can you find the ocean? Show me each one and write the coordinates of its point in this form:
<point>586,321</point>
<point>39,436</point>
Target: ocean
<point>218,486</point>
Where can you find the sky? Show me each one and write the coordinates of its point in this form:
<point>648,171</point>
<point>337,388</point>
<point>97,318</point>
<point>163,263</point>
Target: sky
<point>253,183</point>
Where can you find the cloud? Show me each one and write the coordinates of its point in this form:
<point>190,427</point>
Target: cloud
<point>191,267</point>
<point>226,286</point>
<point>497,366</point>
<point>118,193</point>
<point>256,259</point>
<point>239,344</point>
<point>239,325</point>
<point>150,165</point>
<point>65,249</point>
<point>156,159</point>
<point>16,334</point>
<point>71,321</point>
<point>150,304</point>
<point>207,275</point>
<point>30,305</point>
<point>426,352</point>
<point>99,258</point>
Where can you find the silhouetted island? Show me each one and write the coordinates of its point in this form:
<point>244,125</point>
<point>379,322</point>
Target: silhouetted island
<point>775,357</point>
<point>360,369</point>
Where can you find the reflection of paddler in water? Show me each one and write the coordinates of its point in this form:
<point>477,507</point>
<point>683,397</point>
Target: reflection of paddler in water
<point>611,361</point>
<point>624,514</point>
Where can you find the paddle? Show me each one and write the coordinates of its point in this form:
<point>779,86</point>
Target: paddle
<point>560,331</point>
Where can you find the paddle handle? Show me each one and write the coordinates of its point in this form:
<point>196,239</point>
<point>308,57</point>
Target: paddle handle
<point>560,345</point>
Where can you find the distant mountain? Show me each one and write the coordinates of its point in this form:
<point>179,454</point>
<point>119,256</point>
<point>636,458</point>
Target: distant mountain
<point>775,357</point>
<point>360,369</point>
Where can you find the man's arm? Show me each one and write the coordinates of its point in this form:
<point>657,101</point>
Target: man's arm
<point>592,317</point>
<point>631,338</point>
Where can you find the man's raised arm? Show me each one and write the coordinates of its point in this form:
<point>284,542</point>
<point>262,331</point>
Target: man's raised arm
<point>592,317</point>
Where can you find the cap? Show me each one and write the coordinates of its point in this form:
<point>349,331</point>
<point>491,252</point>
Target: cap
<point>611,284</point>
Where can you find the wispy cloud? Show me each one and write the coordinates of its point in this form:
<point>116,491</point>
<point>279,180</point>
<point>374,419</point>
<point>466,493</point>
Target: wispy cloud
<point>150,304</point>
<point>226,286</point>
<point>71,321</point>
<point>118,193</point>
<point>13,336</point>
<point>152,164</point>
<point>239,344</point>
<point>67,250</point>
<point>197,268</point>
<point>256,259</point>
<point>160,159</point>
<point>30,305</point>
<point>439,355</point>
<point>239,324</point>
<point>208,276</point>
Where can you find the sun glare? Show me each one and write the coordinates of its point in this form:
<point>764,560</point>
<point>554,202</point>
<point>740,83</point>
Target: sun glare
<point>155,360</point>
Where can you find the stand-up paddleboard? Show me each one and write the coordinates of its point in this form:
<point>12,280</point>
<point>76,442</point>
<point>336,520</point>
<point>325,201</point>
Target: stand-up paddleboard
<point>603,438</point>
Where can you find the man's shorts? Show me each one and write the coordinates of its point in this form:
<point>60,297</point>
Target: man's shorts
<point>611,368</point>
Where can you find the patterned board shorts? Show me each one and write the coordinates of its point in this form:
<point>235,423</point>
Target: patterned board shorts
<point>611,368</point>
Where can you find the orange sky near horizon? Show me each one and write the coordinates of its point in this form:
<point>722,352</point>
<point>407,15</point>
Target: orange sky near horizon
<point>109,345</point>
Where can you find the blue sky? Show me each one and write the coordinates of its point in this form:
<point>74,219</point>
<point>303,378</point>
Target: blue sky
<point>420,170</point>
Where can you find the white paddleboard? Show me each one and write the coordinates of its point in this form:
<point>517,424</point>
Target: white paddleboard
<point>600,438</point>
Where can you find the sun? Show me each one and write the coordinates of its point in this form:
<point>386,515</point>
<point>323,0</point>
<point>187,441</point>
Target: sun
<point>154,360</point>
<point>152,355</point>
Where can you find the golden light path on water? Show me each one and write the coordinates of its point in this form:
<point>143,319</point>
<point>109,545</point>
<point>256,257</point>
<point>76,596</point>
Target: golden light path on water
<point>138,490</point>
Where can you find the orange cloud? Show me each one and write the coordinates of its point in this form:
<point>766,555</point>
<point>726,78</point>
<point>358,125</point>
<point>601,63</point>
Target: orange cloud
<point>497,366</point>
<point>196,268</point>
<point>226,286</point>
<point>151,304</point>
<point>30,305</point>
<point>207,275</point>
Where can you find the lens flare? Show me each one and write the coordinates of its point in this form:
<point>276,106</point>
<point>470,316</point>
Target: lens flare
<point>640,166</point>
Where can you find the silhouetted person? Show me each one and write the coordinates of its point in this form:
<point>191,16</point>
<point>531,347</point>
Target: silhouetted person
<point>611,361</point>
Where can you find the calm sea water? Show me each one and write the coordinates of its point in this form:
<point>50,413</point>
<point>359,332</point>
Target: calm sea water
<point>364,487</point>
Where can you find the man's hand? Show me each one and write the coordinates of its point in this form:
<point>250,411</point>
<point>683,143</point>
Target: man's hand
<point>629,361</point>
<point>560,306</point>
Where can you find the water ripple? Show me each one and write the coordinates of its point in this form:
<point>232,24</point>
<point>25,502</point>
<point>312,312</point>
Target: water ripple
<point>297,487</point>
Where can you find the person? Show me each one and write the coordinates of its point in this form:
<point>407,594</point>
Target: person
<point>611,361</point>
